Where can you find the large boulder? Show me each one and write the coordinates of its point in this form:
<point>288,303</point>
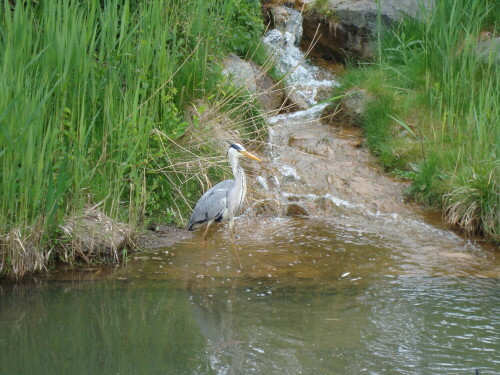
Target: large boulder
<point>347,28</point>
<point>249,75</point>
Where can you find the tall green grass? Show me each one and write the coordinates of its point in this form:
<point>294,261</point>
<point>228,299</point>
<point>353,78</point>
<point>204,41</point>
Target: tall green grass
<point>431,76</point>
<point>82,86</point>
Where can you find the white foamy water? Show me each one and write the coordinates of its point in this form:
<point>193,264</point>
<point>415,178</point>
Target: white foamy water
<point>301,77</point>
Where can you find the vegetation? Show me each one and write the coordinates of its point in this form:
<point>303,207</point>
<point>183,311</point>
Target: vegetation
<point>435,117</point>
<point>92,96</point>
<point>321,8</point>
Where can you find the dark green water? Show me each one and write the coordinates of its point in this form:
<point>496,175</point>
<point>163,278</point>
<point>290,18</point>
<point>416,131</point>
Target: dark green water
<point>394,326</point>
<point>314,298</point>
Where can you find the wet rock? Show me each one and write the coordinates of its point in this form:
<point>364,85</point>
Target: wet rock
<point>95,234</point>
<point>274,181</point>
<point>289,173</point>
<point>267,207</point>
<point>296,209</point>
<point>348,27</point>
<point>325,205</point>
<point>306,84</point>
<point>331,114</point>
<point>262,183</point>
<point>161,236</point>
<point>297,100</point>
<point>456,255</point>
<point>275,15</point>
<point>357,143</point>
<point>294,197</point>
<point>249,75</point>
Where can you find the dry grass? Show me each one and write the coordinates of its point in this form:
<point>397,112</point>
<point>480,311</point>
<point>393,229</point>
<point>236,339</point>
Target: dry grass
<point>93,235</point>
<point>22,251</point>
<point>474,204</point>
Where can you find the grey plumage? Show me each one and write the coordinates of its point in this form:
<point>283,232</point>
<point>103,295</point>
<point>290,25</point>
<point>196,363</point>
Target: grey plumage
<point>223,201</point>
<point>211,205</point>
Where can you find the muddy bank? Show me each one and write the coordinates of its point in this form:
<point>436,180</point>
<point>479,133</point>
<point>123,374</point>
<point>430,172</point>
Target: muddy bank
<point>159,236</point>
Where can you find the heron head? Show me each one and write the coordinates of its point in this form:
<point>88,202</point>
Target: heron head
<point>236,150</point>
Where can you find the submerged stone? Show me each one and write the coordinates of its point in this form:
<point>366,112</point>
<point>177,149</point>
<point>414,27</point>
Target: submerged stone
<point>296,209</point>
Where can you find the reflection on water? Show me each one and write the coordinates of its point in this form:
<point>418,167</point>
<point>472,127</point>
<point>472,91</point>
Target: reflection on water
<point>391,325</point>
<point>359,294</point>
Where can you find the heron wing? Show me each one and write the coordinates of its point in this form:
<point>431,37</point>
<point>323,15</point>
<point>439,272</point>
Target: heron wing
<point>211,205</point>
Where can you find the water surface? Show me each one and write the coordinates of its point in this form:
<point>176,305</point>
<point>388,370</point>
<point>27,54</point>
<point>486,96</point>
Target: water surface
<point>315,297</point>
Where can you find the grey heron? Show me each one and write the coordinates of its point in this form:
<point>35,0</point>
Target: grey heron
<point>222,202</point>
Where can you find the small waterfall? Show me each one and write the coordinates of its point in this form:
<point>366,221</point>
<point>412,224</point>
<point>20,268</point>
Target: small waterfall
<point>303,83</point>
<point>302,150</point>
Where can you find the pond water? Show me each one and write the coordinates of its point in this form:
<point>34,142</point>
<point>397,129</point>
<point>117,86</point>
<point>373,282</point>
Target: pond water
<point>360,286</point>
<point>314,297</point>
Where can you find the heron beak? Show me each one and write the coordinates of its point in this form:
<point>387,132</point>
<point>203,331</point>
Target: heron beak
<point>246,153</point>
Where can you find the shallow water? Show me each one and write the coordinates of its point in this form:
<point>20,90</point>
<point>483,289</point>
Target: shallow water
<point>315,296</point>
<point>362,285</point>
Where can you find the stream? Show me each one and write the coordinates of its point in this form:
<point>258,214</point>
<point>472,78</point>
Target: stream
<point>340,276</point>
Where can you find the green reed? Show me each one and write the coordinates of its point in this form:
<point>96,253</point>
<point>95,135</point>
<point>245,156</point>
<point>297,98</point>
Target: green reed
<point>463,84</point>
<point>434,76</point>
<point>82,85</point>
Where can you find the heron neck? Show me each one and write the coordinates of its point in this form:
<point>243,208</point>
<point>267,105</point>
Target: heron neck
<point>239,174</point>
<point>241,182</point>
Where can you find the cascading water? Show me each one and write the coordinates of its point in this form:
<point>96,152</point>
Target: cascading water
<point>303,82</point>
<point>315,170</point>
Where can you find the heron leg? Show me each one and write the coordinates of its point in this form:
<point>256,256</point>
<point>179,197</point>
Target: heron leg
<point>231,223</point>
<point>204,254</point>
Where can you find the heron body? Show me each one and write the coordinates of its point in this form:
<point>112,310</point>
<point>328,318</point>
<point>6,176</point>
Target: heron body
<point>223,201</point>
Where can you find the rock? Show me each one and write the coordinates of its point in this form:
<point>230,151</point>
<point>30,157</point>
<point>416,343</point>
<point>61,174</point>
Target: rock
<point>302,94</point>
<point>274,182</point>
<point>289,173</point>
<point>354,102</point>
<point>95,234</point>
<point>349,110</point>
<point>352,25</point>
<point>160,236</point>
<point>296,209</point>
<point>332,114</point>
<point>324,204</point>
<point>249,75</point>
<point>275,15</point>
<point>267,207</point>
<point>262,183</point>
<point>296,99</point>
